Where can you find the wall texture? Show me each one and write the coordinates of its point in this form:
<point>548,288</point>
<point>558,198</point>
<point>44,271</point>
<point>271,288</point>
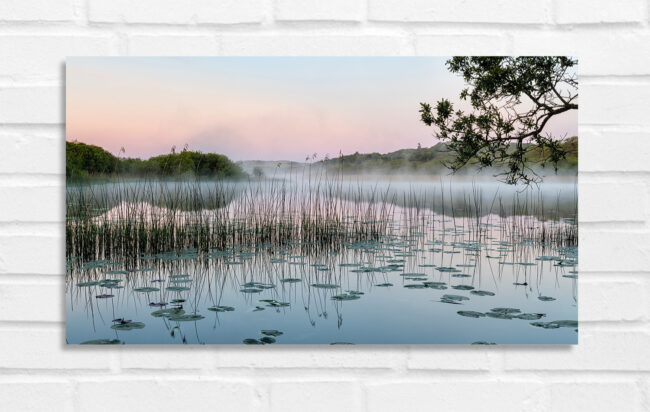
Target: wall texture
<point>609,370</point>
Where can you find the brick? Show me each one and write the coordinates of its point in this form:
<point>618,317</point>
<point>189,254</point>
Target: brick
<point>311,357</point>
<point>612,200</point>
<point>27,151</point>
<point>599,11</point>
<point>594,396</point>
<point>167,358</point>
<point>36,396</point>
<point>36,10</point>
<point>173,12</point>
<point>335,10</point>
<point>17,254</point>
<point>470,11</point>
<point>194,394</point>
<point>43,57</point>
<point>613,251</point>
<point>470,44</point>
<point>611,300</point>
<point>614,103</point>
<point>33,104</point>
<point>455,395</point>
<point>32,302</point>
<point>449,358</point>
<point>320,396</point>
<point>315,45</point>
<point>589,46</point>
<point>609,151</point>
<point>23,204</point>
<point>177,45</point>
<point>599,350</point>
<point>46,349</point>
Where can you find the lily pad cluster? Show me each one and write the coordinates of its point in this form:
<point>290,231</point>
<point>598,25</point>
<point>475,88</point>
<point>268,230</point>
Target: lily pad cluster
<point>269,338</point>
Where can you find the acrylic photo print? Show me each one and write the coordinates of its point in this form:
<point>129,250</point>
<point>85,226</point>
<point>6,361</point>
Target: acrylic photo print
<point>321,200</point>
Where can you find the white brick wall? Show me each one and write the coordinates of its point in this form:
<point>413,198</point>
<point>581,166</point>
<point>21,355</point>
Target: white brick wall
<point>609,370</point>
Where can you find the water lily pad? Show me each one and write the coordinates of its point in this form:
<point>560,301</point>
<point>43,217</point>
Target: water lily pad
<point>324,286</point>
<point>482,342</point>
<point>165,313</point>
<point>482,293</point>
<point>267,339</point>
<point>505,310</point>
<point>530,316</point>
<point>177,288</point>
<point>146,289</point>
<point>545,325</point>
<point>251,341</point>
<point>447,269</point>
<point>104,296</point>
<point>470,314</point>
<point>460,275</point>
<point>251,290</point>
<point>258,285</point>
<point>463,287</point>
<point>290,280</point>
<point>102,342</point>
<point>556,324</point>
<point>271,332</point>
<point>456,298</point>
<point>545,298</point>
<point>86,284</point>
<point>345,296</point>
<point>415,286</point>
<point>499,315</point>
<point>186,317</point>
<point>221,308</point>
<point>384,285</point>
<point>128,326</point>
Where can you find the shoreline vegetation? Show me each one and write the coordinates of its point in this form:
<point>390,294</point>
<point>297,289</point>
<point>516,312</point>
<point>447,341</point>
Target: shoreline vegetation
<point>88,161</point>
<point>84,161</point>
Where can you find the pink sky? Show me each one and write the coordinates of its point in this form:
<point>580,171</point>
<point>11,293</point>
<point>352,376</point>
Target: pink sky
<point>258,108</point>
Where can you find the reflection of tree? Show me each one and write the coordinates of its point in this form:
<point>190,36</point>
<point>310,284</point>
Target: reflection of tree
<point>512,100</point>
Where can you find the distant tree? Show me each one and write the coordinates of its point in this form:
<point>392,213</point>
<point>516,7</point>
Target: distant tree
<point>512,100</point>
<point>257,172</point>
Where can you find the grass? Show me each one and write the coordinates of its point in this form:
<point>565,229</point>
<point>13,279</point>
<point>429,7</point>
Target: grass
<point>311,207</point>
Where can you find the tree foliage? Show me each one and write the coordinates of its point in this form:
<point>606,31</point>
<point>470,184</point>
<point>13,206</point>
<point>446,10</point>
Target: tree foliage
<point>512,100</point>
<point>84,160</point>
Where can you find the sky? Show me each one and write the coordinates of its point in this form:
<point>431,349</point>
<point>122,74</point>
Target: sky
<point>259,108</point>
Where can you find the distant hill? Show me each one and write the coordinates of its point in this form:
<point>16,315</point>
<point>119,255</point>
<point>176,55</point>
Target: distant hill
<point>429,160</point>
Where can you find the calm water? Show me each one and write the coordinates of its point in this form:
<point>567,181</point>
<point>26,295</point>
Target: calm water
<point>405,286</point>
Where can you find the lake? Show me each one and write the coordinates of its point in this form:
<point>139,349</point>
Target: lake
<point>304,259</point>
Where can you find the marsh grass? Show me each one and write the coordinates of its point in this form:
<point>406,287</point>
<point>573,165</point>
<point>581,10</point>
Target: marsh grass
<point>315,209</point>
